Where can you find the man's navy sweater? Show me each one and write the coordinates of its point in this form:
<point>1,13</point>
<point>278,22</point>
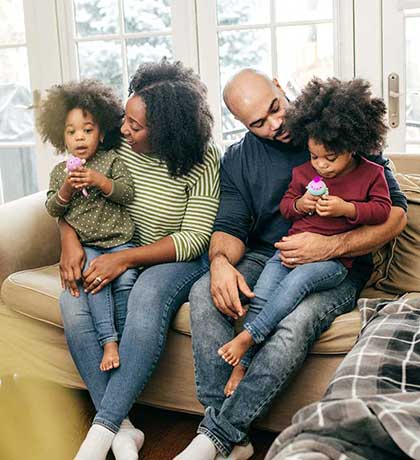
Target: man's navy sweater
<point>255,174</point>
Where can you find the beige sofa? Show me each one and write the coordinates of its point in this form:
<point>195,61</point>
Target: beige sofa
<point>32,339</point>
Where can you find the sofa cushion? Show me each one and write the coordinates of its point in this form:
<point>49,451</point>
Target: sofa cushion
<point>402,271</point>
<point>35,293</point>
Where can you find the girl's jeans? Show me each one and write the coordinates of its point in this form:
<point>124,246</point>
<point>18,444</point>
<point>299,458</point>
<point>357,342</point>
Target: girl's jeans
<point>109,305</point>
<point>280,291</point>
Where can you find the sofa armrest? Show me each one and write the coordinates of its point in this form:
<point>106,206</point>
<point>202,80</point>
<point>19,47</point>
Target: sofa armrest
<point>29,237</point>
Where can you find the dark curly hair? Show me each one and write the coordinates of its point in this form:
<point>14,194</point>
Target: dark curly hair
<point>177,113</point>
<point>341,115</point>
<point>88,95</point>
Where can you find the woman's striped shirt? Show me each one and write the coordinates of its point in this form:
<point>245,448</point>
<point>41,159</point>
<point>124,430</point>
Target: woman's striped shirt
<point>183,207</point>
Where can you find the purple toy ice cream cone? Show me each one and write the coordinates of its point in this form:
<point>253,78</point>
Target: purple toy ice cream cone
<point>73,163</point>
<point>317,187</point>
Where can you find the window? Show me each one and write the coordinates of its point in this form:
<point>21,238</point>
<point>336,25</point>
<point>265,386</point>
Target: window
<point>110,38</point>
<point>17,137</point>
<point>412,69</point>
<point>289,39</point>
<point>292,39</point>
<point>64,40</point>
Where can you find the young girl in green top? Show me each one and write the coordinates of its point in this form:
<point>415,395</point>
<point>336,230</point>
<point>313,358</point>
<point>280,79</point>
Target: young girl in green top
<point>84,119</point>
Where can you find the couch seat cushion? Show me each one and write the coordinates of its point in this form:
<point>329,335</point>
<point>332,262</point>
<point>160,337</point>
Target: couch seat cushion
<point>35,293</point>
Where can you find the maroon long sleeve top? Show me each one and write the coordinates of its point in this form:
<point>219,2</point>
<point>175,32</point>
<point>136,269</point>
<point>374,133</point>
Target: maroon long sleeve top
<point>365,187</point>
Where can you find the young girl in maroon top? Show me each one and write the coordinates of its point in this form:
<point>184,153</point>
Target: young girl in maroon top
<point>337,120</point>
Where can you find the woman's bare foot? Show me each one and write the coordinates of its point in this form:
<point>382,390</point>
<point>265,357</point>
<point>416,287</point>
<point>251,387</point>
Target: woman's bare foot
<point>237,375</point>
<point>111,357</point>
<point>233,351</point>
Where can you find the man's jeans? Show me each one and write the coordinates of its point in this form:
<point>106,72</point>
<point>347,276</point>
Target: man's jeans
<point>227,420</point>
<point>109,305</point>
<point>155,298</point>
<point>280,291</point>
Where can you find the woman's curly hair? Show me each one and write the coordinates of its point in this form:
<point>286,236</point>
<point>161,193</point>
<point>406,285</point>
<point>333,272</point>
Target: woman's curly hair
<point>177,113</point>
<point>88,95</point>
<point>341,115</point>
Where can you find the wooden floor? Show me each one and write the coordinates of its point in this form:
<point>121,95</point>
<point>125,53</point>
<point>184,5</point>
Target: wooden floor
<point>167,433</point>
<point>40,420</point>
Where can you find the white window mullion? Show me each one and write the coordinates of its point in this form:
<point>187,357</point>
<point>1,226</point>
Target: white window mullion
<point>123,49</point>
<point>344,65</point>
<point>368,42</point>
<point>68,45</point>
<point>184,32</point>
<point>273,28</point>
<point>44,67</point>
<point>209,59</point>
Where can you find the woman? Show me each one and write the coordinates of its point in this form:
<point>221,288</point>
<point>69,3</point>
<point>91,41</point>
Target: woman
<point>175,170</point>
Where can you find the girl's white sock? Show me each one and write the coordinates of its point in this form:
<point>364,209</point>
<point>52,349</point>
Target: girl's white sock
<point>96,444</point>
<point>127,442</point>
<point>199,448</point>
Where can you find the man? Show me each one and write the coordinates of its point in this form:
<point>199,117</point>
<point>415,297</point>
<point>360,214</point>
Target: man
<point>255,174</point>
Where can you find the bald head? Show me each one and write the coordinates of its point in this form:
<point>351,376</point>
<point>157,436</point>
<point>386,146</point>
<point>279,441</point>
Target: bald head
<point>253,98</point>
<point>245,88</point>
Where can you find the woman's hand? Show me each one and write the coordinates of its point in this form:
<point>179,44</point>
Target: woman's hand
<point>72,259</point>
<point>103,270</point>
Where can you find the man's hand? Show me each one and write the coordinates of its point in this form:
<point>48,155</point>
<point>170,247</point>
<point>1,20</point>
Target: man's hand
<point>303,248</point>
<point>72,260</point>
<point>102,270</point>
<point>226,282</point>
<point>334,206</point>
<point>306,204</point>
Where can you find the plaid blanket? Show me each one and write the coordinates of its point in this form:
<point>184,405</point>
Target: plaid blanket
<point>371,409</point>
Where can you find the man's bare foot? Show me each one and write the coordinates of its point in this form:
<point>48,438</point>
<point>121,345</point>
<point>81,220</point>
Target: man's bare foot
<point>111,357</point>
<point>233,351</point>
<point>237,375</point>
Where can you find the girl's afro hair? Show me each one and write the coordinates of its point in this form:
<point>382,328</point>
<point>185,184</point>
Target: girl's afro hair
<point>341,115</point>
<point>88,95</point>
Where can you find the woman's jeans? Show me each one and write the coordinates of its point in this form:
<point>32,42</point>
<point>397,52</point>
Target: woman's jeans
<point>109,305</point>
<point>155,298</point>
<point>280,291</point>
<point>227,420</point>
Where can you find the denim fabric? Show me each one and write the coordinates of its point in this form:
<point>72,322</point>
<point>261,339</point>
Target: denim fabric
<point>156,296</point>
<point>281,289</point>
<point>209,367</point>
<point>227,420</point>
<point>108,307</point>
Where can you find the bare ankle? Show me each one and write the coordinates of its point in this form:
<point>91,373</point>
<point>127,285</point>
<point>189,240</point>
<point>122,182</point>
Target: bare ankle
<point>246,338</point>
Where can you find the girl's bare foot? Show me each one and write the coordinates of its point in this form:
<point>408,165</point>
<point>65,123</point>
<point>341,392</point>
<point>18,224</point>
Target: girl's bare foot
<point>233,351</point>
<point>111,357</point>
<point>237,375</point>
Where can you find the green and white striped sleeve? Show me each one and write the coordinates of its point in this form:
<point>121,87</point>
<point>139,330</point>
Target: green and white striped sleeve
<point>203,202</point>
